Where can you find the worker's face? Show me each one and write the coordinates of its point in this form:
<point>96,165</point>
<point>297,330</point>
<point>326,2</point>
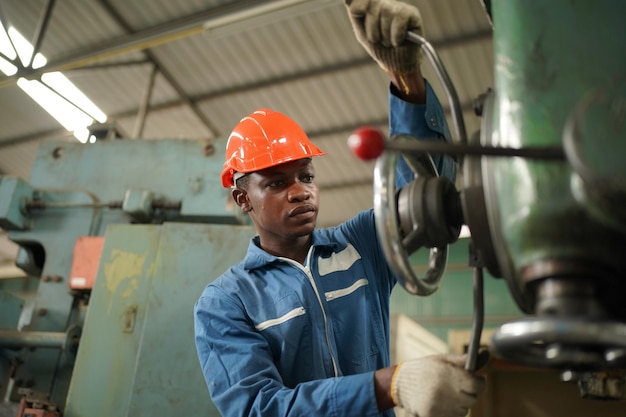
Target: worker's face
<point>282,201</point>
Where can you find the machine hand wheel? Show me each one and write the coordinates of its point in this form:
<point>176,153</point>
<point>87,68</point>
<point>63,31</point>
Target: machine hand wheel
<point>387,222</point>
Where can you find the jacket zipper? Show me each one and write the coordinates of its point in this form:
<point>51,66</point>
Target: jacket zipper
<point>307,271</point>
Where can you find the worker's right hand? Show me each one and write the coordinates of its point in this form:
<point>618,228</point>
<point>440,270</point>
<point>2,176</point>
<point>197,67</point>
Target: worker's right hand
<point>436,386</point>
<point>381,27</point>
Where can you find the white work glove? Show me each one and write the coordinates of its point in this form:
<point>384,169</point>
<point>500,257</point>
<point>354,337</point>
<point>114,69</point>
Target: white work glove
<point>381,27</point>
<point>435,386</point>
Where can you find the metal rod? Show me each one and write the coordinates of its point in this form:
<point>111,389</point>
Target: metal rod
<point>420,146</point>
<point>40,205</point>
<point>167,205</point>
<point>142,114</point>
<point>6,58</point>
<point>6,24</point>
<point>478,320</point>
<point>157,204</point>
<point>20,339</point>
<point>40,31</point>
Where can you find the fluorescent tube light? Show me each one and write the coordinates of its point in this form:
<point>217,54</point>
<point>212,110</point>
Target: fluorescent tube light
<point>5,44</point>
<point>25,49</point>
<point>7,50</point>
<point>7,68</point>
<point>64,112</point>
<point>58,96</point>
<point>64,87</point>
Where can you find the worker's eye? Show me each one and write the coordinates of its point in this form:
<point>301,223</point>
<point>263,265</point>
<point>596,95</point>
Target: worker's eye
<point>308,178</point>
<point>277,183</point>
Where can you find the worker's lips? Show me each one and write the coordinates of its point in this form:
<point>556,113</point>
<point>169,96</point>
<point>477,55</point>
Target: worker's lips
<point>305,210</point>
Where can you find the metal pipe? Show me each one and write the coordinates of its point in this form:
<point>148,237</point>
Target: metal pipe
<point>478,320</point>
<point>20,339</point>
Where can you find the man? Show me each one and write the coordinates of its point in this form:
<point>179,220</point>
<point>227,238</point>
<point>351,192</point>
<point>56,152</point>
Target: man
<point>300,327</point>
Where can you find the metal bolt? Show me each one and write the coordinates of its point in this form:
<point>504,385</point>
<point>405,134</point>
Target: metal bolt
<point>479,103</point>
<point>42,311</point>
<point>57,152</point>
<point>209,150</point>
<point>57,278</point>
<point>45,278</point>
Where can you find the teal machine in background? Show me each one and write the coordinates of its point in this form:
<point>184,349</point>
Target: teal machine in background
<point>152,222</point>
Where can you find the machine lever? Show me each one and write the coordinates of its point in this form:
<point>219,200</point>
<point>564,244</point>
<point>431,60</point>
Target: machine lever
<point>538,152</point>
<point>477,321</point>
<point>478,316</point>
<point>459,126</point>
<point>444,78</point>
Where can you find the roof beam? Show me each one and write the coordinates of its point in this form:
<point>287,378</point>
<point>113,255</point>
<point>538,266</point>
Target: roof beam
<point>159,67</point>
<point>151,37</point>
<point>345,66</point>
<point>60,133</point>
<point>40,31</point>
<point>315,72</point>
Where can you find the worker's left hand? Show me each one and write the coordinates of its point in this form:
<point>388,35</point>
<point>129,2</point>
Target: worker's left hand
<point>436,386</point>
<point>381,27</point>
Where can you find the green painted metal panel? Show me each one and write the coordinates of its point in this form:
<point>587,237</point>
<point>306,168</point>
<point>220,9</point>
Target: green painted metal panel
<point>550,55</point>
<point>158,272</point>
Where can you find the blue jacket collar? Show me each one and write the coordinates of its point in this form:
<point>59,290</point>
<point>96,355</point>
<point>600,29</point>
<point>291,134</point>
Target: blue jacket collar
<point>257,257</point>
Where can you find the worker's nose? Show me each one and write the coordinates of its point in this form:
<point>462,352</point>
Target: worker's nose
<point>298,192</point>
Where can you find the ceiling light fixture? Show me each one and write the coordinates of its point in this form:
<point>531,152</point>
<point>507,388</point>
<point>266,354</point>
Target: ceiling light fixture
<point>55,93</point>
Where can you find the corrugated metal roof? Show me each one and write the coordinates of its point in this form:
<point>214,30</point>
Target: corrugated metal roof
<point>304,62</point>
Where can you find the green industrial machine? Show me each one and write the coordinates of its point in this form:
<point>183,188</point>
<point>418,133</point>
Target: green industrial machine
<point>543,190</point>
<point>118,238</point>
<point>559,226</point>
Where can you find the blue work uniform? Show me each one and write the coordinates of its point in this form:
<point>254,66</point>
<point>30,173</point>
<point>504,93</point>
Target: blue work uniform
<point>278,338</point>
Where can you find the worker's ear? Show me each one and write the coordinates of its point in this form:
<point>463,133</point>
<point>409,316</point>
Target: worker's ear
<point>242,200</point>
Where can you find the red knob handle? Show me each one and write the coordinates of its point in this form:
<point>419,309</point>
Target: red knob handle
<point>367,142</point>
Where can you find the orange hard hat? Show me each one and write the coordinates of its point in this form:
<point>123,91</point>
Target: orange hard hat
<point>264,139</point>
